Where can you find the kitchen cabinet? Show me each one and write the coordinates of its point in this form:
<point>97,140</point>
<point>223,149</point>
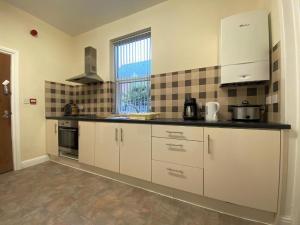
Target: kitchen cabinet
<point>177,157</point>
<point>177,176</point>
<point>242,166</point>
<point>87,142</point>
<point>52,137</point>
<point>135,150</point>
<point>107,146</point>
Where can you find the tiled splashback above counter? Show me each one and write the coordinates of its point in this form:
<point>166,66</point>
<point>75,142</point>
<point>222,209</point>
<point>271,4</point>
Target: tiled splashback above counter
<point>95,98</point>
<point>168,92</point>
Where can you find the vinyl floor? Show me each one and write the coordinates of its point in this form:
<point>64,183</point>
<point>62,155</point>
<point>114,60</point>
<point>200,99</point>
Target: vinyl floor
<point>53,194</point>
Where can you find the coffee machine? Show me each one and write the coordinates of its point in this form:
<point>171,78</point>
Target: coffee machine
<point>190,111</point>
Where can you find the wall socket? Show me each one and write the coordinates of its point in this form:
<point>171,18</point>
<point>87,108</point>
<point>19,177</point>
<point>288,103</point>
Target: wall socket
<point>272,99</point>
<point>269,100</point>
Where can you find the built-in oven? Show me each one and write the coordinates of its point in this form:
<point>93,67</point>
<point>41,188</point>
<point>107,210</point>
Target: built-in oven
<point>68,138</point>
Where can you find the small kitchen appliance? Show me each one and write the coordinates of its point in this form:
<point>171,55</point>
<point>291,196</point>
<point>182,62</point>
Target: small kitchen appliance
<point>190,109</point>
<point>211,111</point>
<point>71,109</point>
<point>247,112</point>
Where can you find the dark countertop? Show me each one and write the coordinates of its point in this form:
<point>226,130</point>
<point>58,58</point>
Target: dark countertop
<point>199,123</point>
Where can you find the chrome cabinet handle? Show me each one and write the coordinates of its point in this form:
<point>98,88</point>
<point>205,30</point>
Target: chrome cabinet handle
<point>121,135</point>
<point>208,145</point>
<point>174,132</point>
<point>174,147</point>
<point>63,129</point>
<point>175,171</point>
<point>116,134</point>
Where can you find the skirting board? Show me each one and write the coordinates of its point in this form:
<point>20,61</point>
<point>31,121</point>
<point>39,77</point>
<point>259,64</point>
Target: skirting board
<point>285,221</point>
<point>34,161</point>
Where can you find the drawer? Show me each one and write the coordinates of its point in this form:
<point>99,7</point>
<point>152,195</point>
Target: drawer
<point>178,132</point>
<point>183,152</point>
<point>184,178</point>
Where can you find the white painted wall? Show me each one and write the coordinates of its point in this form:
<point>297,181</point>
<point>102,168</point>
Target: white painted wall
<point>289,15</point>
<point>47,57</point>
<point>185,34</point>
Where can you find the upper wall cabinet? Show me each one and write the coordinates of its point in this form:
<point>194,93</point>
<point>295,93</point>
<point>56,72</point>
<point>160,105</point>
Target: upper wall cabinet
<point>244,51</point>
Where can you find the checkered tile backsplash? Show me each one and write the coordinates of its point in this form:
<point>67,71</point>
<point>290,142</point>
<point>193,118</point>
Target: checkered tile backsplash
<point>93,98</point>
<point>273,88</point>
<point>168,92</point>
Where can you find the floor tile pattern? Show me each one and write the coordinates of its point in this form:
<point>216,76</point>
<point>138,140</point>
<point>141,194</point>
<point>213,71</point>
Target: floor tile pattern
<point>53,194</point>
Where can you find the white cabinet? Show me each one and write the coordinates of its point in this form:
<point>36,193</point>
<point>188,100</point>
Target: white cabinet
<point>124,148</point>
<point>242,166</point>
<point>182,152</point>
<point>52,137</point>
<point>177,157</point>
<point>244,40</point>
<point>107,146</point>
<point>177,176</point>
<point>135,150</point>
<point>86,142</point>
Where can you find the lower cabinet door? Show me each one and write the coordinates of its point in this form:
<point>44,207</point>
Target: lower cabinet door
<point>86,142</point>
<point>242,166</point>
<point>52,137</point>
<point>107,146</point>
<point>184,178</point>
<point>135,150</point>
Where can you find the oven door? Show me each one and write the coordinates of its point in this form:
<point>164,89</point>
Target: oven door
<point>68,139</point>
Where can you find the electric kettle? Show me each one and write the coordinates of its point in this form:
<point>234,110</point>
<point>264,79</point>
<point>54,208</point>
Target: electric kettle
<point>211,111</point>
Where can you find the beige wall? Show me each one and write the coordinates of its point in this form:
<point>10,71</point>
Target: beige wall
<point>184,33</point>
<point>47,57</point>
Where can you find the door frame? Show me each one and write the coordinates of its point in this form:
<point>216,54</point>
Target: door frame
<point>15,108</point>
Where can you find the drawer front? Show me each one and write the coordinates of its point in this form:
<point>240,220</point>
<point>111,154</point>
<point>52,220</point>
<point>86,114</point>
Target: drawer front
<point>183,152</point>
<point>179,177</point>
<point>178,132</point>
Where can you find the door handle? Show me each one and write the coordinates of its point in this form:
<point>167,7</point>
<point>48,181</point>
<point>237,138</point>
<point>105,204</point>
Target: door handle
<point>116,134</point>
<point>6,114</point>
<point>121,135</point>
<point>208,145</point>
<point>55,128</point>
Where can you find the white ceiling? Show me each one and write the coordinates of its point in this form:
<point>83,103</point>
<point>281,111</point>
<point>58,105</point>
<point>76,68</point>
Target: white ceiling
<point>78,16</point>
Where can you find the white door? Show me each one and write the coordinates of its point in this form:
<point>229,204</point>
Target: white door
<point>241,166</point>
<point>52,137</point>
<point>135,150</point>
<point>107,146</point>
<point>86,142</point>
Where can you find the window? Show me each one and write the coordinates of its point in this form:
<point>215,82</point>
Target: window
<point>132,63</point>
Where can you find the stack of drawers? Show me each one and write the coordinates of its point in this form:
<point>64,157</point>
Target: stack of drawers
<point>177,157</point>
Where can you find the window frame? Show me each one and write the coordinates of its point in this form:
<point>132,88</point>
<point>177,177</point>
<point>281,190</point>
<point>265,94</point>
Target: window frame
<point>140,35</point>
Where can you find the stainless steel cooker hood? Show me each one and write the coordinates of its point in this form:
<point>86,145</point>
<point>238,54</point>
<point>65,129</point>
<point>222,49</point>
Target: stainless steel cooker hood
<point>90,68</point>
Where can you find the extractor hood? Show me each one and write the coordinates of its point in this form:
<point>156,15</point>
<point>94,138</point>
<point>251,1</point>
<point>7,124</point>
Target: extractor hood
<point>90,68</point>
